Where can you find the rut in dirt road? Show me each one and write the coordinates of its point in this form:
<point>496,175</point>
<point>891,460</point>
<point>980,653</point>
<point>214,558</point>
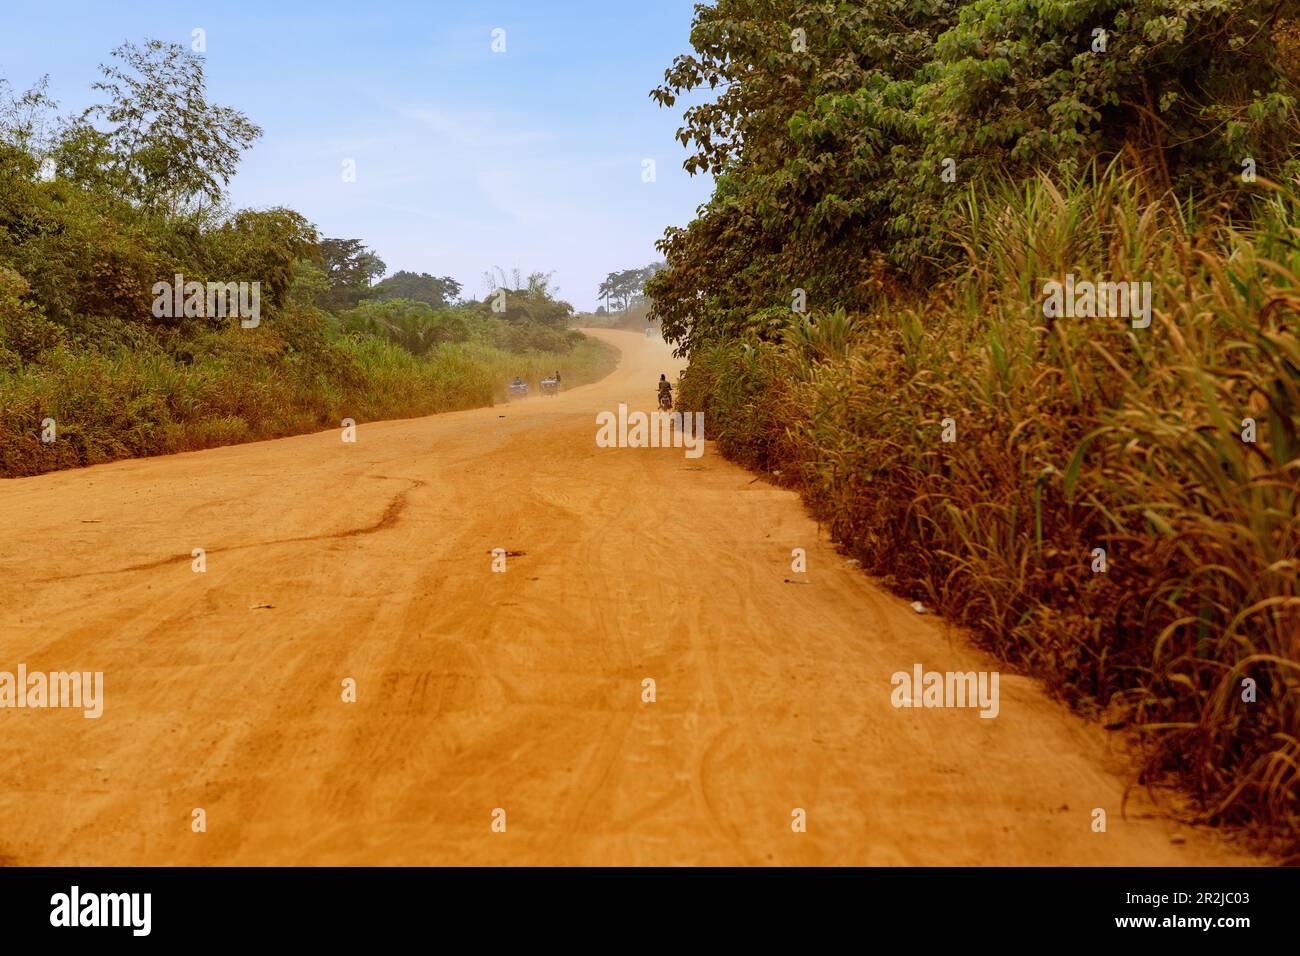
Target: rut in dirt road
<point>520,691</point>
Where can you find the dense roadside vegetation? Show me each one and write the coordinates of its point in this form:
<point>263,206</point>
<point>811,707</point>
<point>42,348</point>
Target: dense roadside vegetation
<point>96,208</point>
<point>1110,506</point>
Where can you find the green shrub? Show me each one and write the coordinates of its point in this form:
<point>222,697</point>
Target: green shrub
<point>24,331</point>
<point>281,378</point>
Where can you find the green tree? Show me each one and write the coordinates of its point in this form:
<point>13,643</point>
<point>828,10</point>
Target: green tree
<point>420,287</point>
<point>309,285</point>
<point>843,137</point>
<point>627,286</point>
<point>530,300</point>
<point>351,269</point>
<point>168,146</point>
<point>25,122</point>
<point>261,246</point>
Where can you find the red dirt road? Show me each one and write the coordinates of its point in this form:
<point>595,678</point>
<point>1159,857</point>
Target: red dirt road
<point>519,690</point>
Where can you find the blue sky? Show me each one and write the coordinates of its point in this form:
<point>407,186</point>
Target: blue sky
<point>466,159</point>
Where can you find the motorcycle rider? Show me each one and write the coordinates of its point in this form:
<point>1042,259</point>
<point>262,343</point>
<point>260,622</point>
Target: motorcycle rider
<point>665,388</point>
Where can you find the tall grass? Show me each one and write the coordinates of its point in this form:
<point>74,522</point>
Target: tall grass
<point>1074,435</point>
<point>246,385</point>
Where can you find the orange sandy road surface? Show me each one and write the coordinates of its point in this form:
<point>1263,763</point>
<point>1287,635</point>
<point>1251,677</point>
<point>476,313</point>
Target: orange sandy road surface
<point>521,690</point>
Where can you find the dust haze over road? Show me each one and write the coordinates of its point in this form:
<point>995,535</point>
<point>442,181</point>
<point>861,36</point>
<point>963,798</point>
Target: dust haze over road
<point>523,690</point>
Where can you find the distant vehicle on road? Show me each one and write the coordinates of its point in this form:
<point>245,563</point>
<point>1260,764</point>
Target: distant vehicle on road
<point>518,388</point>
<point>550,386</point>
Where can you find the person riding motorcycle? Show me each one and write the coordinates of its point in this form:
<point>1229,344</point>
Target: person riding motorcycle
<point>665,389</point>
